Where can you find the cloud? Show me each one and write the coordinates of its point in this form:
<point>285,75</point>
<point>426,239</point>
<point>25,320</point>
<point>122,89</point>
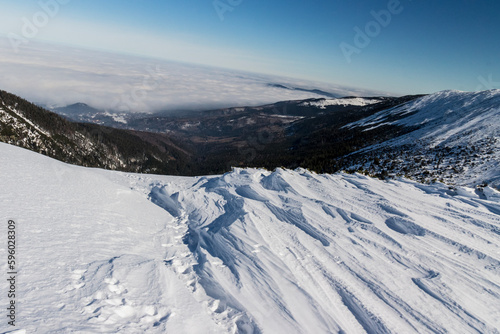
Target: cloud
<point>61,75</point>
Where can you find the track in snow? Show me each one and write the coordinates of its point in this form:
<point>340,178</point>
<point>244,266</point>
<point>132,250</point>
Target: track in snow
<point>343,253</point>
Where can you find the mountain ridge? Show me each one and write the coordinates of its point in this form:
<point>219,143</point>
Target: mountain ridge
<point>458,134</point>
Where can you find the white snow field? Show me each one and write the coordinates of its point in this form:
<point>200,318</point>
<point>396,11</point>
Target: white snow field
<point>251,251</point>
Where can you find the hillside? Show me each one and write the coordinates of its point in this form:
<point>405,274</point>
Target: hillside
<point>455,138</point>
<point>29,126</point>
<point>250,251</point>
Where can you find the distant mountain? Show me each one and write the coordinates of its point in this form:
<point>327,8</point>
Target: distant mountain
<point>81,112</point>
<point>345,101</point>
<point>76,109</point>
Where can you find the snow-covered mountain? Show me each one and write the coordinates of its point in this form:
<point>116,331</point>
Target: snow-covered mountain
<point>81,112</point>
<point>346,101</point>
<point>250,251</point>
<point>451,136</point>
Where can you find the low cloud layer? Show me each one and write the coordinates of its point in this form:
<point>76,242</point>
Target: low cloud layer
<point>59,76</point>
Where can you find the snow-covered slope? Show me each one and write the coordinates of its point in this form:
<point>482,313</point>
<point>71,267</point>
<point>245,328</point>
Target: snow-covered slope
<point>456,135</point>
<point>251,251</point>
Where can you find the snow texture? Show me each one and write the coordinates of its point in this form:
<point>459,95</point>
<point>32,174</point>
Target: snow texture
<point>250,251</point>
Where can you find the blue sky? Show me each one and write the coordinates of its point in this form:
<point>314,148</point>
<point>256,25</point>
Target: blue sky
<point>425,46</point>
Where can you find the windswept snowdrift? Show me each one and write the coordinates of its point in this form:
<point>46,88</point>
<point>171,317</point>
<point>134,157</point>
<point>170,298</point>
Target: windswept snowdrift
<point>250,251</point>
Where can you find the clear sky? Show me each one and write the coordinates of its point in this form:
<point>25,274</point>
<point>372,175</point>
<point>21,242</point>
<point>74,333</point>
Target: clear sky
<point>421,47</point>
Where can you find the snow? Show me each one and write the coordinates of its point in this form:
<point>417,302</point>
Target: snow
<point>449,119</point>
<point>250,251</point>
<point>20,115</point>
<point>120,118</point>
<point>450,112</point>
<point>355,101</point>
